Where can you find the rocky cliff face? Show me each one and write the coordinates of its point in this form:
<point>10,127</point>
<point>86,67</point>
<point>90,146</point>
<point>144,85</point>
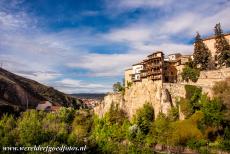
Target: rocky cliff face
<point>136,96</point>
<point>162,96</point>
<point>16,92</point>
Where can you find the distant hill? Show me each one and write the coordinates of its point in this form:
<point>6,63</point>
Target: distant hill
<point>17,92</point>
<point>98,96</point>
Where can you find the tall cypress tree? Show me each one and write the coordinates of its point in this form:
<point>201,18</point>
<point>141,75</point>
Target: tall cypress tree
<point>202,55</point>
<point>222,47</point>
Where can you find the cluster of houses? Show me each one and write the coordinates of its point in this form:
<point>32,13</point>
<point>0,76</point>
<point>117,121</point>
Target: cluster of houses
<point>168,68</point>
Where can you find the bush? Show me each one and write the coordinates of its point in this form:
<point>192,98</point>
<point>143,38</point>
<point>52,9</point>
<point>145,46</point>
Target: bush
<point>7,131</point>
<point>30,129</point>
<point>185,107</point>
<point>183,131</point>
<point>189,73</point>
<point>173,113</point>
<point>221,90</point>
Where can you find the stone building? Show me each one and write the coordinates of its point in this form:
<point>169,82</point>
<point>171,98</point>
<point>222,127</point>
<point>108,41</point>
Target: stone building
<point>210,43</point>
<point>153,66</point>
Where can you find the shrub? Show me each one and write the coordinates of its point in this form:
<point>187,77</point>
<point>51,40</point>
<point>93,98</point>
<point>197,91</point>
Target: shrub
<point>185,107</point>
<point>30,129</point>
<point>225,144</point>
<point>221,90</point>
<point>183,131</point>
<point>7,131</point>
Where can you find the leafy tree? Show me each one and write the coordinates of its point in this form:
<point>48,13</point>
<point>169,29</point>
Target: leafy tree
<point>145,117</point>
<point>161,129</point>
<point>202,55</point>
<point>212,112</point>
<point>117,87</point>
<point>193,94</point>
<point>222,47</point>
<point>189,73</point>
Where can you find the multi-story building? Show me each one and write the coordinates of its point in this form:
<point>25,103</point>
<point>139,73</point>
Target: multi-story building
<point>153,66</point>
<point>210,43</point>
<point>136,72</point>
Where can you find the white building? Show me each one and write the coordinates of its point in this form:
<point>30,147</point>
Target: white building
<point>173,57</point>
<point>136,74</point>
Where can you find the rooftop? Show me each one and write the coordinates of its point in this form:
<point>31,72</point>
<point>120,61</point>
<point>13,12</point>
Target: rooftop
<point>213,36</point>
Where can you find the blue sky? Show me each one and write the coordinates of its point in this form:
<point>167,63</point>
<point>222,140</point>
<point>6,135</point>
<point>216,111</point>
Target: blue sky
<point>85,45</point>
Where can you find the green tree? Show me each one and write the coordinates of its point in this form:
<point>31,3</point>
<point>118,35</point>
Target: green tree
<point>145,117</point>
<point>202,55</point>
<point>161,129</point>
<point>117,87</point>
<point>222,47</point>
<point>30,129</point>
<point>189,73</point>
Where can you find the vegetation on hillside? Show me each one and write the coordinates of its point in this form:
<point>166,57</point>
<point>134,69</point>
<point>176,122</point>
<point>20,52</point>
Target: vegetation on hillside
<point>206,126</point>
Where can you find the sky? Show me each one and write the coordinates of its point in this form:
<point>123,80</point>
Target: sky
<point>84,46</point>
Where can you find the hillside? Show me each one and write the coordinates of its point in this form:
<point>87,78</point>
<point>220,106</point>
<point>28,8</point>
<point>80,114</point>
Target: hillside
<point>16,92</point>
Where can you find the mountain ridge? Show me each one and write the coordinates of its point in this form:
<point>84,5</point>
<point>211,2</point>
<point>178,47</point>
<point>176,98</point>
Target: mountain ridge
<point>18,93</point>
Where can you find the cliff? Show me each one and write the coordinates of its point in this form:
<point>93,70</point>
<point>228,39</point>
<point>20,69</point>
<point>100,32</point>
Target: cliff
<point>136,96</point>
<point>162,96</point>
<point>16,92</point>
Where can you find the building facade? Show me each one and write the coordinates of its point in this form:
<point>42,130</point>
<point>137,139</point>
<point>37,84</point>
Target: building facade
<point>153,66</point>
<point>137,68</point>
<point>210,43</point>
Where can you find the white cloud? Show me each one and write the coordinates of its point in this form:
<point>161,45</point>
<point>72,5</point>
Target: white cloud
<point>43,77</point>
<point>77,86</point>
<point>125,5</point>
<point>106,64</point>
<point>26,47</point>
<point>126,34</point>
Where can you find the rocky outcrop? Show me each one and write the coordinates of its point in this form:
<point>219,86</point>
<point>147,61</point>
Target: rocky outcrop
<point>136,96</point>
<point>18,92</point>
<point>162,96</point>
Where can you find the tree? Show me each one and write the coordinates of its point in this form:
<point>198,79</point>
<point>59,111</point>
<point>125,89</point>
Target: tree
<point>117,87</point>
<point>189,73</point>
<point>222,47</point>
<point>202,55</point>
<point>145,117</point>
